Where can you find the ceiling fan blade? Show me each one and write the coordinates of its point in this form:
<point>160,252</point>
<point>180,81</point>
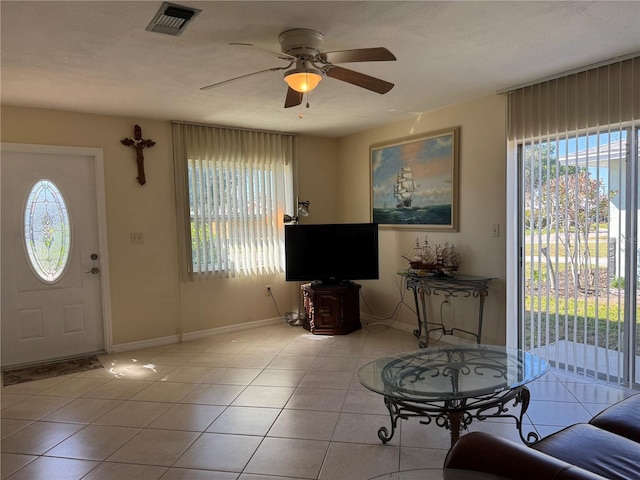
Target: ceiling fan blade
<point>377,54</point>
<point>280,55</point>
<point>359,79</point>
<point>275,69</point>
<point>293,98</point>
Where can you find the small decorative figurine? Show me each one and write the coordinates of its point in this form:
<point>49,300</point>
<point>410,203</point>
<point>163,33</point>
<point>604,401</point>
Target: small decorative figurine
<point>441,260</point>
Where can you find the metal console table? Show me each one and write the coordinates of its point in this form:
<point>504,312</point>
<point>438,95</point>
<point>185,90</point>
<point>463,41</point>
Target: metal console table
<point>458,285</point>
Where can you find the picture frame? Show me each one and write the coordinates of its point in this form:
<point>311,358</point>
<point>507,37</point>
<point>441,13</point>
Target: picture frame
<point>414,181</point>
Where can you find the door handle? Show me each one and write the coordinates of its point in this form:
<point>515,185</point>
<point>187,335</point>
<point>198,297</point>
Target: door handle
<point>94,271</point>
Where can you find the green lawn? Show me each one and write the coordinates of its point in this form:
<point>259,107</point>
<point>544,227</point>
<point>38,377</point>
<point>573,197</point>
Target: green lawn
<point>596,319</point>
<point>568,317</point>
<point>595,248</point>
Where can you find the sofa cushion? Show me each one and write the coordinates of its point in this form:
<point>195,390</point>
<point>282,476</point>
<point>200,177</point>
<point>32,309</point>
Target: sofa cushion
<point>591,448</point>
<point>622,418</point>
<point>483,452</point>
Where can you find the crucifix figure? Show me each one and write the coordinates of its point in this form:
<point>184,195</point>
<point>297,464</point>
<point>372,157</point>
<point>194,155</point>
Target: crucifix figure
<point>139,144</point>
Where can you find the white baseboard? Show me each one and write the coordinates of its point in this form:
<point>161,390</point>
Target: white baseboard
<point>367,319</point>
<point>171,339</point>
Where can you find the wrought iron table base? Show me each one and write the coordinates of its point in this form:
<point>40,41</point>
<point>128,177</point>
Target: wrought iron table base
<point>452,287</point>
<point>457,415</point>
<point>439,328</point>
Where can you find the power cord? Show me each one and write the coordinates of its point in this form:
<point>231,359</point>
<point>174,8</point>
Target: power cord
<point>402,290</point>
<point>394,313</point>
<point>288,317</point>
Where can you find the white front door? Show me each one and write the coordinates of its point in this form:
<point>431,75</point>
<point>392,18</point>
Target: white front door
<point>52,256</point>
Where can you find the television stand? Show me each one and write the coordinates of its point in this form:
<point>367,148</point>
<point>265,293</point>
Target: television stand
<point>331,309</point>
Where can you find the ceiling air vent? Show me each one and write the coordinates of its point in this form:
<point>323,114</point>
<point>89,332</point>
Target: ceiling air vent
<point>172,19</point>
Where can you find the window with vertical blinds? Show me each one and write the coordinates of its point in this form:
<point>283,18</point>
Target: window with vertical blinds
<point>575,138</point>
<point>232,187</point>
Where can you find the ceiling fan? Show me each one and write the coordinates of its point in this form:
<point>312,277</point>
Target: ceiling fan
<point>302,49</point>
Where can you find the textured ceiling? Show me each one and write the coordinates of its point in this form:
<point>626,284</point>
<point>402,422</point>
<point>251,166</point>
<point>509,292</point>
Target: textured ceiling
<point>94,56</point>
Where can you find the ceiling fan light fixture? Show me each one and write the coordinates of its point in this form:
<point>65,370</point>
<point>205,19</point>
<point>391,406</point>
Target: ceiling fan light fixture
<point>303,80</point>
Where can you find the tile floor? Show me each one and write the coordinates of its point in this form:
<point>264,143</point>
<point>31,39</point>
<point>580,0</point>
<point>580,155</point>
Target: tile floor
<point>272,403</point>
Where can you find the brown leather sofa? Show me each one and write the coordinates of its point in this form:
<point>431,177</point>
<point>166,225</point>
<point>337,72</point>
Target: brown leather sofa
<point>607,447</point>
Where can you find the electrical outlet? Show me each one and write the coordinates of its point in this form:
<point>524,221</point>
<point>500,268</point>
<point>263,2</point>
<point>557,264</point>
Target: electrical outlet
<point>137,237</point>
<point>268,290</point>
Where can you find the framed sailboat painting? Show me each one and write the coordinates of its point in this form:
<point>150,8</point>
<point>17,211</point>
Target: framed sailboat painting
<point>414,181</point>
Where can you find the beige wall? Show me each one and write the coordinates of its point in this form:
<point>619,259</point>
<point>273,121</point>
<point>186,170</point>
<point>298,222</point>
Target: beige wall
<point>148,301</point>
<point>143,277</point>
<point>482,203</point>
<point>225,302</point>
<point>319,167</point>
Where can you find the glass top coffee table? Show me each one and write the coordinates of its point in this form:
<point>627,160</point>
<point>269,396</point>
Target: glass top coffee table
<point>437,474</point>
<point>454,385</point>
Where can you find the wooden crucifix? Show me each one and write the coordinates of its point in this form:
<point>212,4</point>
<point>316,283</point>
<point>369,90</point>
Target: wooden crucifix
<point>139,144</point>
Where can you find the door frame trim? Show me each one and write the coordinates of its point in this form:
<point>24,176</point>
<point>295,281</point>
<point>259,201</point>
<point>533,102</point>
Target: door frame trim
<point>512,247</point>
<point>97,155</point>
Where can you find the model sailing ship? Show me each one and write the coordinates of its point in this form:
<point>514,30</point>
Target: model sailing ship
<point>439,260</point>
<point>404,188</point>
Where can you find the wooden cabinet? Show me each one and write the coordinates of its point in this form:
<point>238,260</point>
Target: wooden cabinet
<point>331,309</point>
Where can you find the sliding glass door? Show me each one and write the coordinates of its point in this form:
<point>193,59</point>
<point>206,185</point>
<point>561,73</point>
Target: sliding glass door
<point>633,322</point>
<point>578,214</point>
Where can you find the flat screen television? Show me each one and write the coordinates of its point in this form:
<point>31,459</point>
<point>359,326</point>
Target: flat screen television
<point>331,253</point>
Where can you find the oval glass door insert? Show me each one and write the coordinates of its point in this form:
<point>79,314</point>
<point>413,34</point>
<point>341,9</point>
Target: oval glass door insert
<point>47,231</point>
